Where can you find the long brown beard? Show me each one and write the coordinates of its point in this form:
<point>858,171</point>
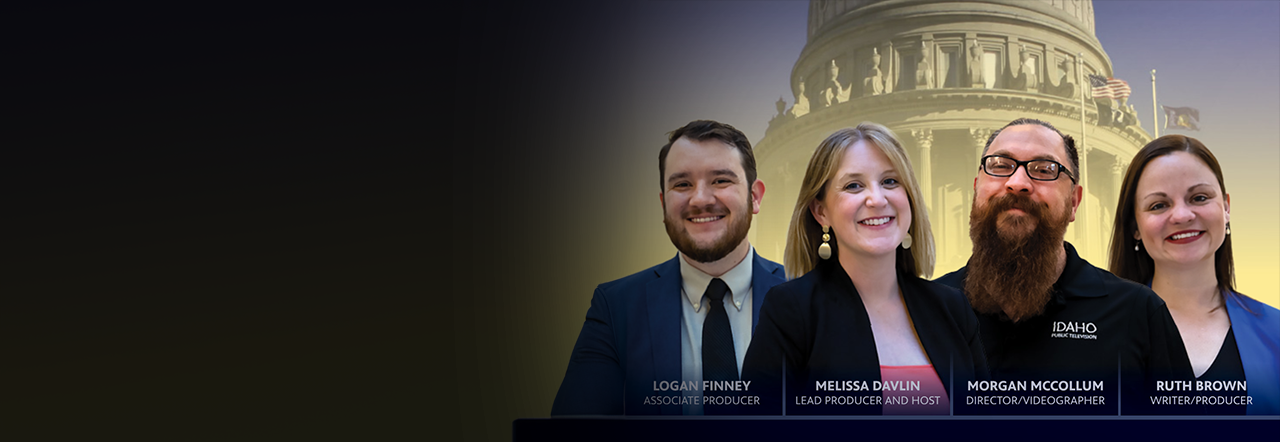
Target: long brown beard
<point>1013,269</point>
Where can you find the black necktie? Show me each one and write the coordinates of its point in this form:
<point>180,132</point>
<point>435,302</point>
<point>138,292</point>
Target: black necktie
<point>718,360</point>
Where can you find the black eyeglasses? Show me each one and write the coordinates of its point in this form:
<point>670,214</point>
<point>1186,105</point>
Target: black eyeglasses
<point>1039,170</point>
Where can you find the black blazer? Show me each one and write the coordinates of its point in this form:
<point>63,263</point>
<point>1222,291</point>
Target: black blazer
<point>818,329</point>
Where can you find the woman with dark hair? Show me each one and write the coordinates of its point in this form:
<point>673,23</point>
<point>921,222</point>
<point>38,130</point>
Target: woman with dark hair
<point>1173,233</point>
<point>857,330</point>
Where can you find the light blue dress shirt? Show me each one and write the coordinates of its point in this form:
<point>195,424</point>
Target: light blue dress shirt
<point>694,312</point>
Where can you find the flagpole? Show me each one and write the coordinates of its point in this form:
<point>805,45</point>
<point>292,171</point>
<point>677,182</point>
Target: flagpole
<point>1155,119</point>
<point>1084,136</point>
<point>1083,151</point>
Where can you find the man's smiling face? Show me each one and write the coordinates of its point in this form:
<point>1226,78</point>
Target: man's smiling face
<point>707,201</point>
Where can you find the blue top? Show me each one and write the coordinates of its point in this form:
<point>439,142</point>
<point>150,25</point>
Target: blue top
<point>1257,330</point>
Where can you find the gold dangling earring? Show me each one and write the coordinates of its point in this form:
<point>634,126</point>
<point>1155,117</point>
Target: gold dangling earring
<point>1228,229</point>
<point>824,250</point>
<point>906,242</point>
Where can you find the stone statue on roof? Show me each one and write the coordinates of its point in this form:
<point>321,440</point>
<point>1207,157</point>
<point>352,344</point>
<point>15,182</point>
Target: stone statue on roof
<point>873,84</point>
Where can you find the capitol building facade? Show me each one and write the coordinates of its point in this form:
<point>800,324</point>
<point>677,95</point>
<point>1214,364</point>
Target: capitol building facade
<point>943,76</point>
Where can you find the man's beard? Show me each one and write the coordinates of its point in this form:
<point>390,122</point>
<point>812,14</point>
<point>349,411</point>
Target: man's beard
<point>721,247</point>
<point>1013,272</point>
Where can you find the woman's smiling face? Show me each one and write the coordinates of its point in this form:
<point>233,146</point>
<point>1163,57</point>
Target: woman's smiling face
<point>1181,211</point>
<point>865,204</point>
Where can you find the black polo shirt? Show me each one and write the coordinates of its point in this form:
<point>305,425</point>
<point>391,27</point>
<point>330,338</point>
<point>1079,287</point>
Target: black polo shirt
<point>1099,348</point>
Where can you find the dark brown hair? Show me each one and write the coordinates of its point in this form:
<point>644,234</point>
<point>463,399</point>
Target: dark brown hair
<point>702,130</point>
<point>1138,266</point>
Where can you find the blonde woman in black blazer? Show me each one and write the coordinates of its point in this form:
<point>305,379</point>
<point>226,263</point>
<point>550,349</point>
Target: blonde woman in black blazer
<point>857,329</point>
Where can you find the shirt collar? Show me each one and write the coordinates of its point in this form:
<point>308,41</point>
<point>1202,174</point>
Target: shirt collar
<point>695,282</point>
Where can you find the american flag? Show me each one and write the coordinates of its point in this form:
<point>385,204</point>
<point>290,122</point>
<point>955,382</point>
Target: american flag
<point>1108,87</point>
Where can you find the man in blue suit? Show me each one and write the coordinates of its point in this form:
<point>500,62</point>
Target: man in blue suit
<point>651,339</point>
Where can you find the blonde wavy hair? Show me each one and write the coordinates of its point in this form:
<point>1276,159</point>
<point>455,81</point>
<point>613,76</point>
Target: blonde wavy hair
<point>805,234</point>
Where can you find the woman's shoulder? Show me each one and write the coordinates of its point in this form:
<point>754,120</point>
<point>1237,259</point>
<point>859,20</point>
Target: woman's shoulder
<point>1260,310</point>
<point>816,286</point>
<point>792,303</point>
<point>802,287</point>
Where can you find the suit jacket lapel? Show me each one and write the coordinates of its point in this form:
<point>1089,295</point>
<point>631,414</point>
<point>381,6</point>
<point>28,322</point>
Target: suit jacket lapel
<point>856,357</point>
<point>933,336</point>
<point>763,278</point>
<point>663,300</point>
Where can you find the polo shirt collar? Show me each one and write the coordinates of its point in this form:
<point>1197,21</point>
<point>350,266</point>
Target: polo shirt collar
<point>1079,279</point>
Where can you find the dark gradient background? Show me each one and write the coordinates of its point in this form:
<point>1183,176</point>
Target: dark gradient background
<point>216,229</point>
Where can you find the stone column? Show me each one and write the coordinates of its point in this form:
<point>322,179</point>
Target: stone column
<point>980,140</point>
<point>790,185</point>
<point>924,139</point>
<point>1118,169</point>
<point>1117,173</point>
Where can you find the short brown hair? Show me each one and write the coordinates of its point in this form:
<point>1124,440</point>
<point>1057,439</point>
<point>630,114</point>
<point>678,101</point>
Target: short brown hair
<point>1068,143</point>
<point>702,130</point>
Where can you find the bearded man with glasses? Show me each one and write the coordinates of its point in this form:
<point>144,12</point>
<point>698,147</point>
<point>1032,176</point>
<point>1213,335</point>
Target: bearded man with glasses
<point>1061,336</point>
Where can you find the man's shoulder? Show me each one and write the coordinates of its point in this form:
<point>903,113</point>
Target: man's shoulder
<point>1090,281</point>
<point>638,280</point>
<point>766,275</point>
<point>937,290</point>
<point>954,279</point>
<point>1112,285</point>
<point>1098,289</point>
<point>771,267</point>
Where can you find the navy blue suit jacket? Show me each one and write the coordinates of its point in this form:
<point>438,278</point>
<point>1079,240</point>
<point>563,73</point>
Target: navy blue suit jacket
<point>631,339</point>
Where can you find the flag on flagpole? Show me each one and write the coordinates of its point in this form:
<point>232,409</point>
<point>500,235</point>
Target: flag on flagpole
<point>1109,115</point>
<point>1104,87</point>
<point>1181,118</point>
